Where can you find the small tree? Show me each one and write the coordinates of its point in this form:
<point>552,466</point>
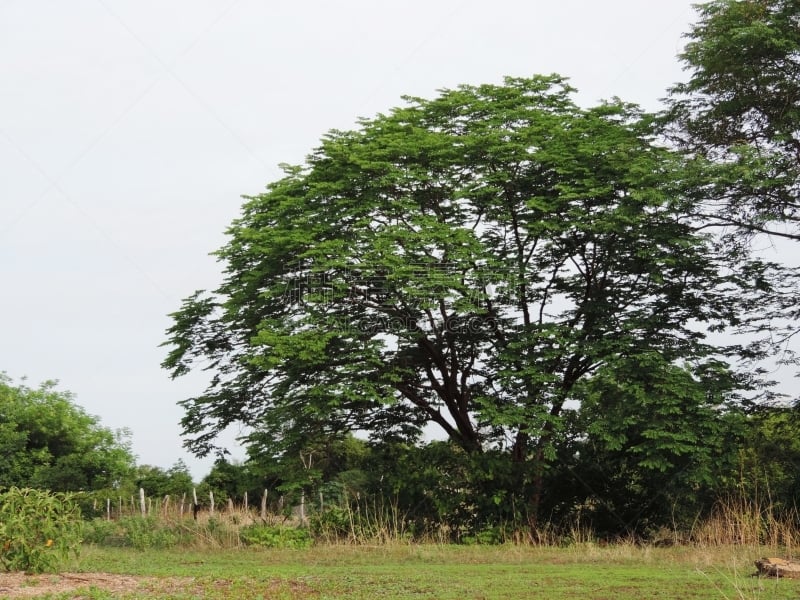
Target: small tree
<point>38,529</point>
<point>656,446</point>
<point>158,482</point>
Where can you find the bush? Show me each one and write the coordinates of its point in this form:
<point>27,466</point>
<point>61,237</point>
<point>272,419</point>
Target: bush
<point>141,533</point>
<point>38,529</point>
<point>148,532</point>
<point>275,537</point>
<point>104,533</point>
<point>333,523</point>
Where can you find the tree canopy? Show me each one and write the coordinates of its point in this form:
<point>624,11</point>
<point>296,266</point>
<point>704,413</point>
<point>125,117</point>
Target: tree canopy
<point>467,263</point>
<point>175,481</point>
<point>48,442</point>
<point>741,109</point>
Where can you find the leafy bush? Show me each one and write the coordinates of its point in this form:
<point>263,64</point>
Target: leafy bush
<point>148,532</point>
<point>332,524</point>
<point>141,533</point>
<point>275,537</point>
<point>489,536</point>
<point>38,529</point>
<point>105,533</point>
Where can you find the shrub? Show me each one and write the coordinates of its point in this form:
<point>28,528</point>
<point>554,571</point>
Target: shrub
<point>104,533</point>
<point>275,537</point>
<point>141,533</point>
<point>334,523</point>
<point>148,532</point>
<point>38,529</point>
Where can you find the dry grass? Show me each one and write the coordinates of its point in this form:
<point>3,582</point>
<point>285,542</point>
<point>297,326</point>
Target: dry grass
<point>732,523</point>
<point>749,523</point>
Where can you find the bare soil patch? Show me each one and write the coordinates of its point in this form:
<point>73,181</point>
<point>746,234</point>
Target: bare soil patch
<point>20,585</point>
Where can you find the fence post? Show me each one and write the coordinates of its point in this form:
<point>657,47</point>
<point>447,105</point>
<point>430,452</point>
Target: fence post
<point>264,505</point>
<point>141,501</point>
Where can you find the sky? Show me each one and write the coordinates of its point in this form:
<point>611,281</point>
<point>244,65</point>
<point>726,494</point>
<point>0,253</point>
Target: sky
<point>130,129</point>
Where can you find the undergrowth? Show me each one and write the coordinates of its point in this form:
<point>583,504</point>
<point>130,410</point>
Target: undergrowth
<point>730,523</point>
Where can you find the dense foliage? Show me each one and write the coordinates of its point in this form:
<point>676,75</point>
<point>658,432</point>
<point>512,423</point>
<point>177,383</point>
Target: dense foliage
<point>740,109</point>
<point>48,442</point>
<point>39,530</point>
<point>175,481</point>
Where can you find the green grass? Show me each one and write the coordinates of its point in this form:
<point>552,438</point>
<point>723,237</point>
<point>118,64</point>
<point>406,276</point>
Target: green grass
<point>623,572</point>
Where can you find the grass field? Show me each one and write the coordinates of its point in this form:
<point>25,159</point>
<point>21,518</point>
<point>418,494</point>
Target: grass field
<point>624,572</point>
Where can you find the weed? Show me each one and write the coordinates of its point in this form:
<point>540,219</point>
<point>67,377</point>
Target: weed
<point>38,529</point>
<point>276,537</point>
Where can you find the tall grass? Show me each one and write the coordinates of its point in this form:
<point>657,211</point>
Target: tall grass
<point>381,521</point>
<point>749,522</point>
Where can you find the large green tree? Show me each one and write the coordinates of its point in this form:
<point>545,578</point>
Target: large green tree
<point>48,442</point>
<point>462,262</point>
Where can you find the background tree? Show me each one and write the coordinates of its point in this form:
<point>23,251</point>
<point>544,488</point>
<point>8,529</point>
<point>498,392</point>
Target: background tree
<point>768,472</point>
<point>334,466</point>
<point>741,109</point>
<point>655,446</point>
<point>158,482</point>
<point>463,262</point>
<point>48,442</point>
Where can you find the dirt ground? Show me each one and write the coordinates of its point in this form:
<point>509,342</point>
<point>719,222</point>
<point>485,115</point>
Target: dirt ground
<point>19,585</point>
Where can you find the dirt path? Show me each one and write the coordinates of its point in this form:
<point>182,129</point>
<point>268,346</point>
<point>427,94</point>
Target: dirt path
<point>19,585</point>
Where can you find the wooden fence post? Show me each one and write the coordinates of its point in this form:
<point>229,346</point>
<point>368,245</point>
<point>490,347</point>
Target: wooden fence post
<point>195,506</point>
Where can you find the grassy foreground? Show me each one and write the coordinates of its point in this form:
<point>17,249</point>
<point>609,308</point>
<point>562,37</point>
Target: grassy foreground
<point>438,572</point>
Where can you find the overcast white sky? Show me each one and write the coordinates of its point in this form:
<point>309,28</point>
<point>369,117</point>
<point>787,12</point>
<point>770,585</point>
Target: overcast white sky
<point>129,129</point>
